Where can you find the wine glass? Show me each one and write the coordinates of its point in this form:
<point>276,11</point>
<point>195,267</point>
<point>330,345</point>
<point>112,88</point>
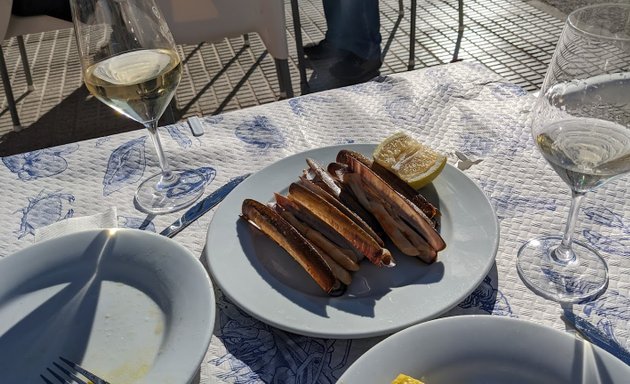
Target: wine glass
<point>130,63</point>
<point>581,125</point>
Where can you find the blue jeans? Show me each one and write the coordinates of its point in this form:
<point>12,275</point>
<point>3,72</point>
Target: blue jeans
<point>354,25</point>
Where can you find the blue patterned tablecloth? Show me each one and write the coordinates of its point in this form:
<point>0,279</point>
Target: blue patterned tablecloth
<point>457,107</point>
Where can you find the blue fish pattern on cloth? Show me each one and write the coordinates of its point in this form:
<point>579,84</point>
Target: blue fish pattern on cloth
<point>511,146</point>
<point>44,209</point>
<point>125,166</point>
<point>379,84</point>
<point>487,298</point>
<point>606,217</point>
<point>259,353</point>
<point>101,140</point>
<point>177,134</point>
<point>136,223</point>
<point>613,306</point>
<point>208,174</point>
<point>260,133</point>
<point>404,109</point>
<point>617,241</point>
<point>41,163</point>
<point>572,284</point>
<point>300,105</point>
<point>495,139</point>
<point>503,91</point>
<point>619,245</point>
<point>510,202</point>
<point>477,145</point>
<point>450,89</point>
<point>214,119</point>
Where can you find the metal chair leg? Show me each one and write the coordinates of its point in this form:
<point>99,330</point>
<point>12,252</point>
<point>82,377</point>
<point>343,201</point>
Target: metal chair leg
<point>460,31</point>
<point>299,47</point>
<point>27,68</point>
<point>284,78</point>
<point>9,93</point>
<point>412,37</point>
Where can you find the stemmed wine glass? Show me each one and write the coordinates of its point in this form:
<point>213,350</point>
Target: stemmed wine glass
<point>130,63</point>
<point>581,125</point>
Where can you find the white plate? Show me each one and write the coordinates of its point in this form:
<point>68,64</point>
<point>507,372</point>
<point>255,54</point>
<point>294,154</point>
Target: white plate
<point>485,349</point>
<point>129,305</point>
<point>262,279</point>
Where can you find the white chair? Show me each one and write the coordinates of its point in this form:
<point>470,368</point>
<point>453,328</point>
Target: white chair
<point>196,21</point>
<point>15,26</point>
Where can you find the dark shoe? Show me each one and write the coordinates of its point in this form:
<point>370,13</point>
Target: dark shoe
<point>322,50</point>
<point>353,69</point>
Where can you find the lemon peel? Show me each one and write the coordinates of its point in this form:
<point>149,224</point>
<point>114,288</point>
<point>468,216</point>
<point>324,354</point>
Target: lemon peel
<point>412,161</point>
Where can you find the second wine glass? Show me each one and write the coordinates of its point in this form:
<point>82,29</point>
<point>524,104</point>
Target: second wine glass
<point>581,125</point>
<point>130,63</point>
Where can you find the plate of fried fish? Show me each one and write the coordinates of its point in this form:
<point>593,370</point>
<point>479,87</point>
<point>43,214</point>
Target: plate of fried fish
<point>326,243</point>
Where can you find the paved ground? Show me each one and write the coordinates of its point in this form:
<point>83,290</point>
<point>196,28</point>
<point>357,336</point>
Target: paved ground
<point>514,38</point>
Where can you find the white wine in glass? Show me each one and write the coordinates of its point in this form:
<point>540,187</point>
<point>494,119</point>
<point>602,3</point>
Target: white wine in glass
<point>130,63</point>
<point>581,125</point>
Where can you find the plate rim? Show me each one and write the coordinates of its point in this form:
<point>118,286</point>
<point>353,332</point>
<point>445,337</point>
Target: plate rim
<point>303,329</point>
<point>461,322</point>
<point>209,295</point>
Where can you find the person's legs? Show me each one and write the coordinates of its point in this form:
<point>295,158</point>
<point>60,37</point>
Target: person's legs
<point>353,35</point>
<point>359,34</point>
<point>326,48</point>
<point>354,26</point>
<point>333,11</point>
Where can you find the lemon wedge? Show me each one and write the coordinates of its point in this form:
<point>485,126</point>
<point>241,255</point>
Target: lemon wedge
<point>404,379</point>
<point>412,161</point>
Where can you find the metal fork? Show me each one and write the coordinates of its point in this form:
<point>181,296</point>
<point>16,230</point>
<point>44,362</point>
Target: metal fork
<point>66,375</point>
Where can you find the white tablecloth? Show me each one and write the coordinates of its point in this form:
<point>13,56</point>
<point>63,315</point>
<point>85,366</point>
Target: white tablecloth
<point>457,107</point>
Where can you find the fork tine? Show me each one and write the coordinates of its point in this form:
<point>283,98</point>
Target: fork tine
<point>58,376</point>
<point>69,373</point>
<point>46,380</point>
<point>69,378</point>
<point>92,377</point>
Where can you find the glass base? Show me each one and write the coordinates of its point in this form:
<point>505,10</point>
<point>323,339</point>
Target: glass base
<point>581,279</point>
<point>157,196</point>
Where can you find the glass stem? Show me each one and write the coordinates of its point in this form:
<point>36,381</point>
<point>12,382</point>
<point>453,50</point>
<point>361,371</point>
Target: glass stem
<point>563,253</point>
<point>168,177</point>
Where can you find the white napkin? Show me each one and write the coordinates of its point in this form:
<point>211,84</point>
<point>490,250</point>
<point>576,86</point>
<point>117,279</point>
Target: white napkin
<point>107,219</point>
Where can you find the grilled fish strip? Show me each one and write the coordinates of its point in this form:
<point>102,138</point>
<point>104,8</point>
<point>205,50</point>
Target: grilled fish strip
<point>395,182</point>
<point>422,249</point>
<point>400,233</point>
<point>340,206</point>
<point>341,224</point>
<point>331,183</point>
<point>349,199</point>
<point>405,208</point>
<point>304,215</point>
<point>318,172</point>
<point>320,241</point>
<point>340,273</point>
<point>407,191</point>
<point>286,236</point>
